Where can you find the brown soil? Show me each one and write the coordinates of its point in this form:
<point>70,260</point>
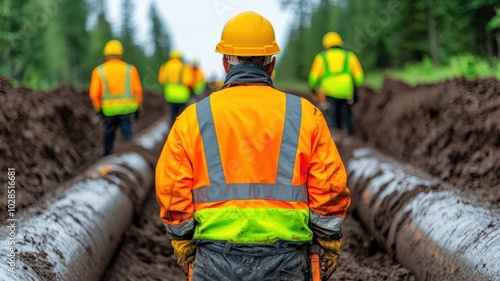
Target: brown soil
<point>450,130</point>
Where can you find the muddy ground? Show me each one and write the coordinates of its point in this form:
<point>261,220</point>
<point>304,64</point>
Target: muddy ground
<point>50,137</point>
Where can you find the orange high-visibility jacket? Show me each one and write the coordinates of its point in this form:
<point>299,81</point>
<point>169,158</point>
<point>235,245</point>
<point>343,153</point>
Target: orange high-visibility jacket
<point>250,164</point>
<point>115,72</point>
<point>199,82</point>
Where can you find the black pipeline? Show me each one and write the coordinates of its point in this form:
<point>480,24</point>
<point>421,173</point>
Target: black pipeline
<point>432,229</point>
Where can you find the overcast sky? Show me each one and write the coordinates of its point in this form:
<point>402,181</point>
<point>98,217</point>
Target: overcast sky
<point>196,25</point>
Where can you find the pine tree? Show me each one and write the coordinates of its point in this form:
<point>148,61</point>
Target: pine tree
<point>159,34</point>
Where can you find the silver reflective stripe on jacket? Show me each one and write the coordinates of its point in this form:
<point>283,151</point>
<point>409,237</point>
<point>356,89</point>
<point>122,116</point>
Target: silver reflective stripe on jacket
<point>248,191</point>
<point>210,143</point>
<point>282,190</point>
<point>181,229</point>
<point>330,225</point>
<point>290,140</point>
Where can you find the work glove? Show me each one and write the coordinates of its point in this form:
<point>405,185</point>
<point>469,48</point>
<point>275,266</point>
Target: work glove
<point>330,256</point>
<point>185,252</point>
<point>137,114</point>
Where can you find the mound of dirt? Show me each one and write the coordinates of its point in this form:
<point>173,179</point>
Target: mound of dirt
<point>48,137</point>
<point>450,129</point>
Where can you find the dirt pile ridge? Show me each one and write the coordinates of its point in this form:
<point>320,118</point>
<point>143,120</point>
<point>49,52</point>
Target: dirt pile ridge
<point>449,129</point>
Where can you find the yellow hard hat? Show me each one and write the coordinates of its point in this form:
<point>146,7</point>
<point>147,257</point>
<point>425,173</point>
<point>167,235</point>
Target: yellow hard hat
<point>174,54</point>
<point>248,34</point>
<point>332,39</point>
<point>113,48</point>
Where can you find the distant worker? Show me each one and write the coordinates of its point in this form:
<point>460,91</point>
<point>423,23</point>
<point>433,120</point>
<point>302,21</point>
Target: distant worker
<point>177,79</point>
<point>215,83</point>
<point>337,74</point>
<point>250,177</point>
<point>116,93</point>
<point>199,82</point>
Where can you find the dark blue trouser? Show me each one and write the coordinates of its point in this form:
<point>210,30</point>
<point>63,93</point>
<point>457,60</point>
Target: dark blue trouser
<point>111,123</point>
<point>339,114</point>
<point>176,109</point>
<point>224,262</point>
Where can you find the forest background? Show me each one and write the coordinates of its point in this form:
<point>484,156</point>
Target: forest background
<point>46,43</point>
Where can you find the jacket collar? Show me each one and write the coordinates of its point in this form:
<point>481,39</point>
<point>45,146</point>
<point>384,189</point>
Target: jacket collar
<point>247,75</point>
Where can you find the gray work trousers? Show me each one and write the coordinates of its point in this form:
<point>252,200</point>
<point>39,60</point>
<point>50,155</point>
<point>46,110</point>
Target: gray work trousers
<point>226,262</point>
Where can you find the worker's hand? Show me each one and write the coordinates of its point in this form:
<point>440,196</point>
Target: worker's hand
<point>185,252</point>
<point>330,256</point>
<point>137,114</point>
<point>314,95</point>
<point>97,118</point>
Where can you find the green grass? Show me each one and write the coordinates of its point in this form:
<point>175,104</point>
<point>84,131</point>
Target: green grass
<point>374,79</point>
<point>469,66</point>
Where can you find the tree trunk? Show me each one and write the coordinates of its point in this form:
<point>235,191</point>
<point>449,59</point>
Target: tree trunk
<point>433,43</point>
<point>397,54</point>
<point>498,42</point>
<point>489,48</point>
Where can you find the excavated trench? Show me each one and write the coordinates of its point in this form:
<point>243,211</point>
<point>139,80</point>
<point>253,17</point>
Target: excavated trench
<point>103,224</point>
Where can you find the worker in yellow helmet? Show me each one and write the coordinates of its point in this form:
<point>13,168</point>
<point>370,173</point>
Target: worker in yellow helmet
<point>116,93</point>
<point>337,73</point>
<point>177,80</point>
<point>250,177</point>
<point>199,82</point>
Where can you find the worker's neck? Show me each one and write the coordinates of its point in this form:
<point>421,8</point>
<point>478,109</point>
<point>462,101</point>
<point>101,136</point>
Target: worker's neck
<point>247,75</point>
<point>108,58</point>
